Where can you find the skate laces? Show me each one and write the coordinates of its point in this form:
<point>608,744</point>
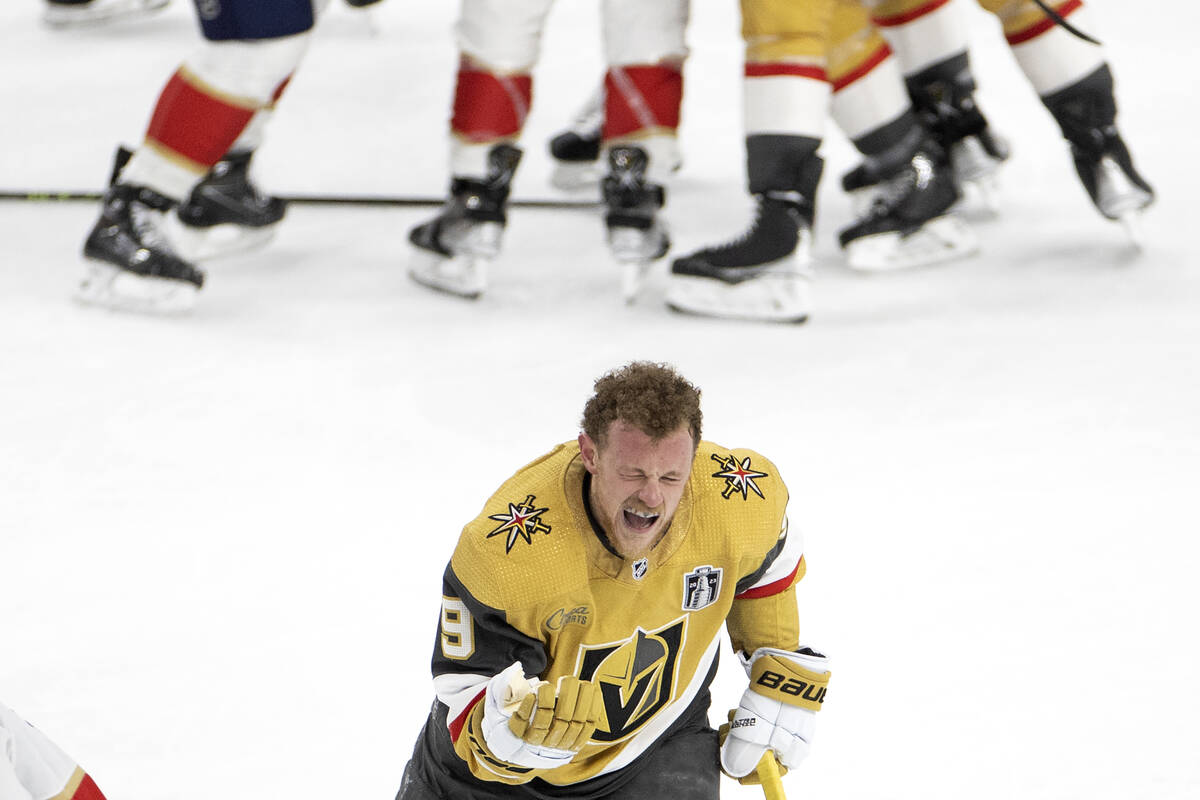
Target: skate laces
<point>892,192</point>
<point>786,200</point>
<point>760,210</point>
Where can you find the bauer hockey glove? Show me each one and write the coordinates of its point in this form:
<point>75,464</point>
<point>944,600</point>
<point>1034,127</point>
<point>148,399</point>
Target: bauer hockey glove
<point>535,724</point>
<point>778,711</point>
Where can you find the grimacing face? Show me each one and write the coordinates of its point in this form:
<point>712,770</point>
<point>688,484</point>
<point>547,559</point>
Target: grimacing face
<point>637,483</point>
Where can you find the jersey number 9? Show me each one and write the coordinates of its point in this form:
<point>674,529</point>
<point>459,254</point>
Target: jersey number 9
<point>457,629</point>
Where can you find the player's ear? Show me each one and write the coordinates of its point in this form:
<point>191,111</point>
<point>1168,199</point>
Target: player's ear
<point>587,450</point>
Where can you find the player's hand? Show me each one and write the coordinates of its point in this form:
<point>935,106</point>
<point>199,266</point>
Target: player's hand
<point>751,778</point>
<point>778,711</point>
<point>535,724</point>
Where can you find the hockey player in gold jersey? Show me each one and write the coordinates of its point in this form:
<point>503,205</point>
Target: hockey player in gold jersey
<point>582,612</point>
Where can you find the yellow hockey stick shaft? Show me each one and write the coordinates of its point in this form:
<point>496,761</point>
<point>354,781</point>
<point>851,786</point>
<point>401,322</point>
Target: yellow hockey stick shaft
<point>768,774</point>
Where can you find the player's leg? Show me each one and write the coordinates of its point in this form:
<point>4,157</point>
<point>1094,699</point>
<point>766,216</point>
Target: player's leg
<point>1075,82</point>
<point>765,272</point>
<point>576,148</point>
<point>32,767</point>
<point>499,42</point>
<point>904,186</point>
<point>227,212</point>
<point>643,89</point>
<point>930,41</point>
<point>436,772</point>
<point>250,51</point>
<point>685,764</point>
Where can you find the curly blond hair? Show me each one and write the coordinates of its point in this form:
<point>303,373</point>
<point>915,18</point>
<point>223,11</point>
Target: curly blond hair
<point>652,397</point>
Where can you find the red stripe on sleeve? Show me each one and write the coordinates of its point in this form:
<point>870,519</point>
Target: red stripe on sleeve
<point>777,69</point>
<point>489,107</point>
<point>774,587</point>
<point>1043,25</point>
<point>195,124</point>
<point>863,69</point>
<point>88,790</point>
<point>456,725</point>
<point>909,16</point>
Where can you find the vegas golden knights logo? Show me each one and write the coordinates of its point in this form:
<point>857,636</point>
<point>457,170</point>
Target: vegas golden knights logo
<point>636,677</point>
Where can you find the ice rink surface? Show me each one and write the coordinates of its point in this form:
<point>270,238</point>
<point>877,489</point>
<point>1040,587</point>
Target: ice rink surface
<point>222,536</point>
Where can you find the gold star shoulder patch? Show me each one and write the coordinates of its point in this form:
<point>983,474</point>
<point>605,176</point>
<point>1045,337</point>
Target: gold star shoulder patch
<point>740,477</point>
<point>521,521</point>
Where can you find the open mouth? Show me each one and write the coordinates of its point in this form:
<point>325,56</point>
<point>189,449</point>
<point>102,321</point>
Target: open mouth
<point>639,520</point>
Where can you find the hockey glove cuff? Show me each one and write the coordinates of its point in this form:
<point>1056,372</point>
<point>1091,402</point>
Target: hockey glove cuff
<point>778,711</point>
<point>534,724</point>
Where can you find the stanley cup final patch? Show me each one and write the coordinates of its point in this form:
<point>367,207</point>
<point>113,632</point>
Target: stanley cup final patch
<point>701,587</point>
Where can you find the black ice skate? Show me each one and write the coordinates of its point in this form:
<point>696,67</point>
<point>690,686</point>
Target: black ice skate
<point>910,189</point>
<point>943,97</point>
<point>1086,112</point>
<point>764,274</point>
<point>636,237</point>
<point>452,251</point>
<point>131,266</point>
<point>226,213</point>
<point>1118,191</point>
<point>576,149</point>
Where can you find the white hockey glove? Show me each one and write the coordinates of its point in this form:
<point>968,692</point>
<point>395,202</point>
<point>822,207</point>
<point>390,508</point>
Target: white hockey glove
<point>778,711</point>
<point>531,723</point>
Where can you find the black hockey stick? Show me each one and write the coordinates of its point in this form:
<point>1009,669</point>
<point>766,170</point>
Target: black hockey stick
<point>47,195</point>
<point>1068,27</point>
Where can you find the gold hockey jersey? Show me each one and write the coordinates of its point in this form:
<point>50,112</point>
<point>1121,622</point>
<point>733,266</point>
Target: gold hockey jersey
<point>531,580</point>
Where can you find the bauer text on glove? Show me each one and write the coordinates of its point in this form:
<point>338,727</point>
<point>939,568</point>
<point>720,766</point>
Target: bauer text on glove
<point>777,711</point>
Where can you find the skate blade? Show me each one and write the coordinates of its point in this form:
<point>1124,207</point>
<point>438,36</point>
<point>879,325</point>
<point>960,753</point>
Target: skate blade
<point>219,241</point>
<point>782,292</point>
<point>575,176</point>
<point>1117,196</point>
<point>462,275</point>
<point>116,289</point>
<point>1131,221</point>
<point>971,161</point>
<point>638,246</point>
<point>633,278</point>
<point>981,196</point>
<point>85,16</point>
<point>940,240</point>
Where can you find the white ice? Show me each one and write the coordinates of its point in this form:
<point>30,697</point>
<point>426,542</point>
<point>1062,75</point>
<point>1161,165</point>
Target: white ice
<point>222,536</point>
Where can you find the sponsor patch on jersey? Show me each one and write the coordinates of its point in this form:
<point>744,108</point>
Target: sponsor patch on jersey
<point>701,587</point>
<point>636,677</point>
<point>521,521</point>
<point>740,477</point>
<point>576,615</point>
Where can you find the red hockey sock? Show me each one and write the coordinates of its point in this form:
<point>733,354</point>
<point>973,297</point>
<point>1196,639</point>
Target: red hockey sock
<point>196,122</point>
<point>489,106</point>
<point>641,98</point>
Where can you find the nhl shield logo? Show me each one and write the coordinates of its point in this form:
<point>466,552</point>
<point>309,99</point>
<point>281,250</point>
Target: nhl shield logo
<point>701,587</point>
